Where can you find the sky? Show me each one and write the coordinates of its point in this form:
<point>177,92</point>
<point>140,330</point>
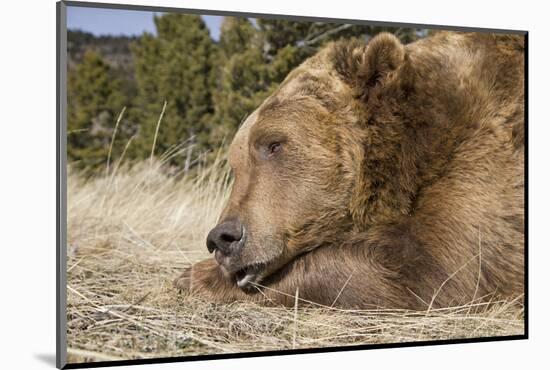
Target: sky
<point>123,22</point>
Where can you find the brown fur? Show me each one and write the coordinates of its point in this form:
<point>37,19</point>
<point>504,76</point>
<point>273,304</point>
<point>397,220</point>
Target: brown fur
<point>399,183</point>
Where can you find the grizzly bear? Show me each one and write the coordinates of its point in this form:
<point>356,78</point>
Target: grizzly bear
<point>379,175</point>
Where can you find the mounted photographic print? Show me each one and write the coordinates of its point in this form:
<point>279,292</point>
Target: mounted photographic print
<point>263,184</point>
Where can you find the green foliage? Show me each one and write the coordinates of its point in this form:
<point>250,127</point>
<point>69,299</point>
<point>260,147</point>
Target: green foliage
<point>258,58</point>
<point>95,101</point>
<point>241,81</point>
<point>175,67</point>
<point>236,36</point>
<point>209,88</point>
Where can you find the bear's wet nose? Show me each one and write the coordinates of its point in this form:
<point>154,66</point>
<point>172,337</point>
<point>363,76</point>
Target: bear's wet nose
<point>225,237</point>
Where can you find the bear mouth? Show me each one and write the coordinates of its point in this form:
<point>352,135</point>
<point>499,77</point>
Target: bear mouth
<point>247,277</point>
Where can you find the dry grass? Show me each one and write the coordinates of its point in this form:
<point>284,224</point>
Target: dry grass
<point>131,232</point>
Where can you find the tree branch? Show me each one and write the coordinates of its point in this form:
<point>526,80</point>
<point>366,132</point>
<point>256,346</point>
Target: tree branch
<point>324,35</point>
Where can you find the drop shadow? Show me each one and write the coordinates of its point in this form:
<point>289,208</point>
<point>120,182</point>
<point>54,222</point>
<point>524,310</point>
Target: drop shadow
<point>47,358</point>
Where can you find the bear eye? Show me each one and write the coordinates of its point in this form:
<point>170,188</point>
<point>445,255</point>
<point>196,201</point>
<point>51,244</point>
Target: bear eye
<point>274,148</point>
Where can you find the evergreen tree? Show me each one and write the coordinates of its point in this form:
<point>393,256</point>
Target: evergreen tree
<point>242,80</point>
<point>236,36</point>
<point>174,66</point>
<point>257,58</point>
<point>94,103</point>
<point>209,87</point>
<point>288,43</point>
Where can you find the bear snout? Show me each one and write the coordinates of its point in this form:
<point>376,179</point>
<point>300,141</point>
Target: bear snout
<point>226,238</point>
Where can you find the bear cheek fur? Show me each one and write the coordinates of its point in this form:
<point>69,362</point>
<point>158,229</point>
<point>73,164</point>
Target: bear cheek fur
<point>368,173</point>
<point>303,205</point>
<point>367,180</point>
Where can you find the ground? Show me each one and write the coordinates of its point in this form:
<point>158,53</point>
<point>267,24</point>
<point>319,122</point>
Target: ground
<point>131,231</point>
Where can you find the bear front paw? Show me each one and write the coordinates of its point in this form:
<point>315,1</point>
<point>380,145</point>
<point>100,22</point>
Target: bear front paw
<point>183,282</point>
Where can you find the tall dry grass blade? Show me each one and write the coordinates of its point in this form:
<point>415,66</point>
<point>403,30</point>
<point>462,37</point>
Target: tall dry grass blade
<point>113,140</point>
<point>110,179</point>
<point>157,132</point>
<point>300,299</point>
<point>295,317</point>
<point>479,265</point>
<point>447,280</point>
<point>342,289</point>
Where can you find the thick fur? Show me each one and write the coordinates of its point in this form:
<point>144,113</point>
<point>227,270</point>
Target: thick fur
<point>400,184</point>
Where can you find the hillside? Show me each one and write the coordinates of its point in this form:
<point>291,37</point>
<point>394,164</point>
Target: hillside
<point>115,51</point>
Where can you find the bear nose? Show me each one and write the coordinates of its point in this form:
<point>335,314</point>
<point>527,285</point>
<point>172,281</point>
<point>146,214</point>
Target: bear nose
<point>225,237</point>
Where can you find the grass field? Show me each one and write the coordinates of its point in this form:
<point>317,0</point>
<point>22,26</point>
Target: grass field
<point>132,230</point>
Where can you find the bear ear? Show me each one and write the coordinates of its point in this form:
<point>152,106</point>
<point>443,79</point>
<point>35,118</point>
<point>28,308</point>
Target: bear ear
<point>365,67</point>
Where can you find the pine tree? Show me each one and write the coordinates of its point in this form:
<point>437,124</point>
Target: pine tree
<point>209,88</point>
<point>174,66</point>
<point>236,36</point>
<point>95,102</point>
<point>288,43</point>
<point>242,80</point>
<point>258,57</point>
